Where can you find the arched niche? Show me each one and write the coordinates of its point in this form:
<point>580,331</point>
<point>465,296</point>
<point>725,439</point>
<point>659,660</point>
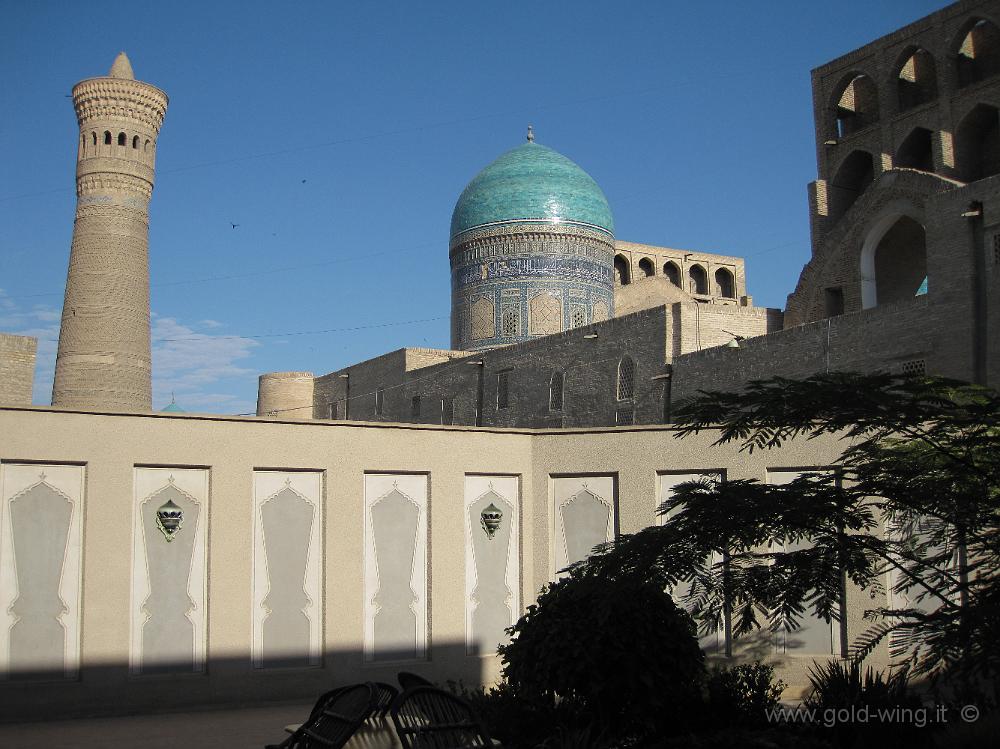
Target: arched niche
<point>916,151</point>
<point>725,284</point>
<point>893,260</point>
<point>977,144</point>
<point>672,272</point>
<point>623,272</point>
<point>916,78</point>
<point>698,278</point>
<point>977,54</point>
<point>853,177</point>
<point>855,105</point>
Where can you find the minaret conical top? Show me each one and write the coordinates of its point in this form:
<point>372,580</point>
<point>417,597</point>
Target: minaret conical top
<point>121,68</point>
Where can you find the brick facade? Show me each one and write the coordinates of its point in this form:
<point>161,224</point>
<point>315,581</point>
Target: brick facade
<point>904,274</point>
<point>17,369</point>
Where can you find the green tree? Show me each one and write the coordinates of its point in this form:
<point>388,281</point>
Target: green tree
<point>915,493</point>
<point>621,659</point>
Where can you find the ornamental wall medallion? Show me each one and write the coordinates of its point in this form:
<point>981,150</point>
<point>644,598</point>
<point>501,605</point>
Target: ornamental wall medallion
<point>169,518</point>
<point>490,519</point>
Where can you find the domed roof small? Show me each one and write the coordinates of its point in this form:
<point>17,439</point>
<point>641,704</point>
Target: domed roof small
<point>531,182</point>
<point>172,407</point>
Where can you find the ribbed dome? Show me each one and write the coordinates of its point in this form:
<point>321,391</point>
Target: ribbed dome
<point>531,182</point>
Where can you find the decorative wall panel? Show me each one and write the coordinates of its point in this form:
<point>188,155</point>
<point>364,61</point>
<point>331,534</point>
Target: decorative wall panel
<point>712,642</point>
<point>287,568</point>
<point>483,323</point>
<point>40,555</point>
<point>168,617</point>
<point>600,311</point>
<point>395,606</point>
<point>814,636</point>
<point>545,314</point>
<point>584,516</point>
<point>492,561</point>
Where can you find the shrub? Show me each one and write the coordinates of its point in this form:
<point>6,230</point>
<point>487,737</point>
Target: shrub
<point>845,689</point>
<point>620,656</point>
<point>743,695</point>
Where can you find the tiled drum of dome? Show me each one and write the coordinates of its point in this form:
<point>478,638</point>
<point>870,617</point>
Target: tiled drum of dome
<point>532,246</point>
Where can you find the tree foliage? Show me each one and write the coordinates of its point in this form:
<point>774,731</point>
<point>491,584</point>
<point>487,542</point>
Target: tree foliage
<point>914,497</point>
<point>622,657</point>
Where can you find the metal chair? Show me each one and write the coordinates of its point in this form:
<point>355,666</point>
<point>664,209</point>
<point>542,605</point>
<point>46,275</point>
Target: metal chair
<point>386,693</point>
<point>407,680</point>
<point>336,716</point>
<point>426,717</point>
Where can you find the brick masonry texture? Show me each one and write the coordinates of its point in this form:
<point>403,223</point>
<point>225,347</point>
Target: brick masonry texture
<point>17,369</point>
<point>103,360</point>
<point>933,213</point>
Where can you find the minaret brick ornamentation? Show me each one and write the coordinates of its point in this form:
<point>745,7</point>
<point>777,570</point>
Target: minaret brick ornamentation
<point>104,348</point>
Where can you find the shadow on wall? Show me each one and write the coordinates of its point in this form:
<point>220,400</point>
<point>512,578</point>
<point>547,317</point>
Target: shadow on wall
<point>110,689</point>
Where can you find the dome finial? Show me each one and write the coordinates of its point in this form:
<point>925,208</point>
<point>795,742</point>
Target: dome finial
<point>122,68</point>
<point>531,134</point>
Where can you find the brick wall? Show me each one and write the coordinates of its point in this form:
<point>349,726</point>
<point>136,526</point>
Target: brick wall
<point>17,369</point>
<point>886,337</point>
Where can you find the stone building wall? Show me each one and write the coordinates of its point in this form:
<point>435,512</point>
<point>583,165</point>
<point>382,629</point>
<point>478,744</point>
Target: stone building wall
<point>17,369</point>
<point>641,258</point>
<point>288,395</point>
<point>893,338</point>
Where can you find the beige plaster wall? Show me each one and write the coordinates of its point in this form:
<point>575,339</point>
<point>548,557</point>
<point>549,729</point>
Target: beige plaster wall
<point>111,445</point>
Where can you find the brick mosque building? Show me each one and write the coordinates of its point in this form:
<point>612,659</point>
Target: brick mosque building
<point>555,322</point>
<point>151,561</point>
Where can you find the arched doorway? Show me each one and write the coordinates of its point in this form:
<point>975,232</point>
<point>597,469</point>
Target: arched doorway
<point>893,261</point>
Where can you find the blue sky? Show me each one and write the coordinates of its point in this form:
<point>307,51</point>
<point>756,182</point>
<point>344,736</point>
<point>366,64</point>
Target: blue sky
<point>339,135</point>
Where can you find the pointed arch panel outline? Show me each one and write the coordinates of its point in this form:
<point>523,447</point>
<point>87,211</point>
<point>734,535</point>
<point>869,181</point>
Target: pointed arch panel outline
<point>892,236</point>
<point>854,104</point>
<point>977,143</point>
<point>698,279</point>
<point>714,642</point>
<point>557,384</point>
<point>916,78</point>
<point>725,283</point>
<point>854,175</point>
<point>623,271</point>
<point>916,151</point>
<point>395,567</point>
<point>41,529</point>
<point>814,636</point>
<point>492,560</point>
<point>169,618</point>
<point>625,381</point>
<point>646,267</point>
<point>977,51</point>
<point>545,310</point>
<point>673,272</point>
<point>287,560</point>
<point>584,514</point>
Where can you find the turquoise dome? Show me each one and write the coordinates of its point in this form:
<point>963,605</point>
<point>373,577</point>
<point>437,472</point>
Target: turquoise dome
<point>531,182</point>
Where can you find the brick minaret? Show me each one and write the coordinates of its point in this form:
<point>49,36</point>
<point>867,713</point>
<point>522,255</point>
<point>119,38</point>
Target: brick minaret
<point>104,358</point>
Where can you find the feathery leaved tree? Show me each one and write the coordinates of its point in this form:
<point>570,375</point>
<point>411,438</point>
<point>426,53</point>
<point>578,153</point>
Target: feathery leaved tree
<point>914,498</point>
